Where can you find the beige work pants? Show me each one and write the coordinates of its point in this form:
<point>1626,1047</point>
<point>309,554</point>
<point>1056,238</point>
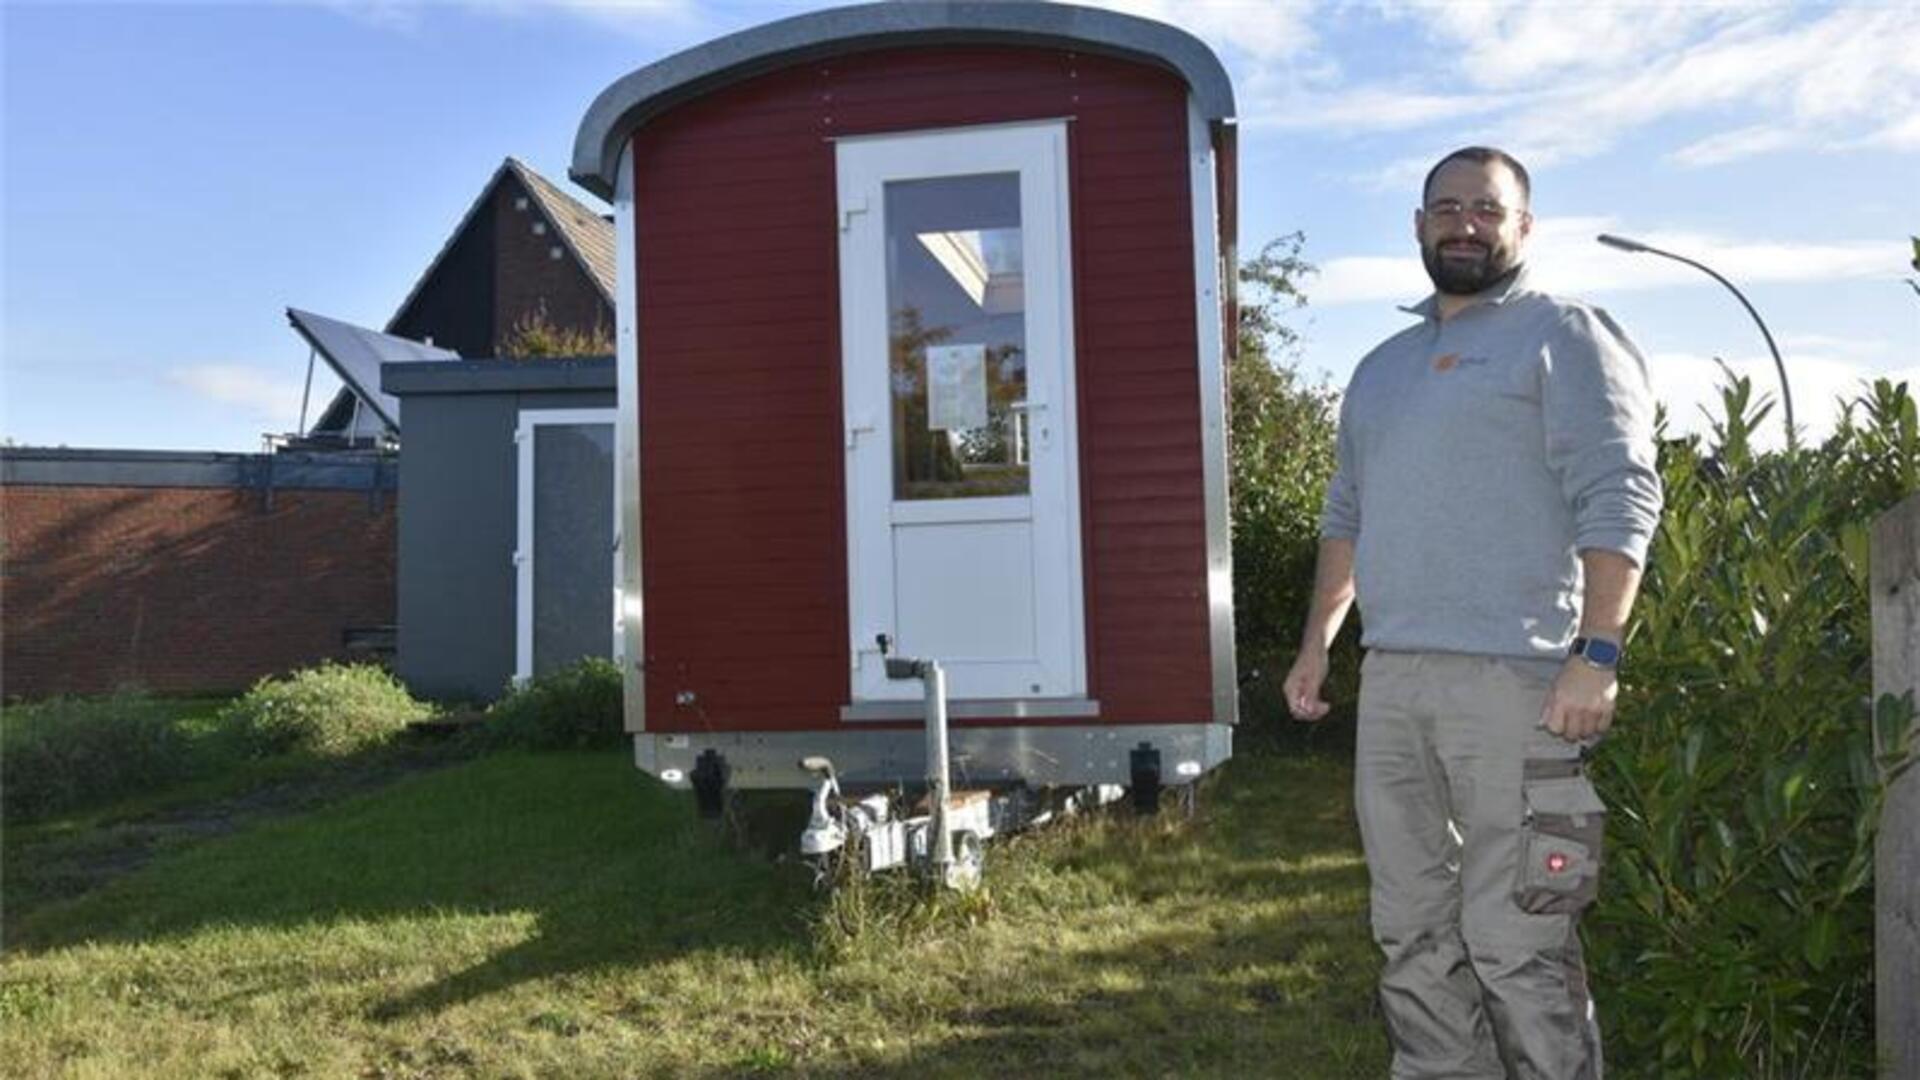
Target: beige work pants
<point>1482,835</point>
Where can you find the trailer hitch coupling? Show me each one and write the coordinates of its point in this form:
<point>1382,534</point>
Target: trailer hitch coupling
<point>939,774</point>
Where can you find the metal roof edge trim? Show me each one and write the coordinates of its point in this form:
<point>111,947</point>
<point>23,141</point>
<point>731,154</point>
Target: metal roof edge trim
<point>497,376</point>
<point>63,467</point>
<point>626,105</point>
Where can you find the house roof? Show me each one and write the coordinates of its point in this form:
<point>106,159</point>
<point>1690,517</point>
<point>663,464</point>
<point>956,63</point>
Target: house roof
<point>586,232</point>
<point>621,109</point>
<point>586,235</point>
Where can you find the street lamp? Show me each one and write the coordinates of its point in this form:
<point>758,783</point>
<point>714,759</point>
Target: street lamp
<point>1786,392</point>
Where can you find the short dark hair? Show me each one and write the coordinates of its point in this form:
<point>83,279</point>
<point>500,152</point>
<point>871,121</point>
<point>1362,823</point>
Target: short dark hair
<point>1481,155</point>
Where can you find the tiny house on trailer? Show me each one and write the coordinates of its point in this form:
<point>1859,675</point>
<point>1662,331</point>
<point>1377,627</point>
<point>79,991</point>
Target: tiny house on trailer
<point>923,313</point>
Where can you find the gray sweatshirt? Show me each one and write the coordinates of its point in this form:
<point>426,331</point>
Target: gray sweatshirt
<point>1477,458</point>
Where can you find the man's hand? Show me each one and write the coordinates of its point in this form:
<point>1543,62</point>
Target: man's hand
<point>1303,685</point>
<point>1580,705</point>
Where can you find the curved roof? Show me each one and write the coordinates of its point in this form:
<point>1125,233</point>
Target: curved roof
<point>636,98</point>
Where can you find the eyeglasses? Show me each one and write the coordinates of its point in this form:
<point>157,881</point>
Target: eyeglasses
<point>1483,211</point>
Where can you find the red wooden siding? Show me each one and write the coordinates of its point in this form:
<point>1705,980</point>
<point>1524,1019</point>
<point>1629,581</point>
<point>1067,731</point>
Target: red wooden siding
<point>744,510</point>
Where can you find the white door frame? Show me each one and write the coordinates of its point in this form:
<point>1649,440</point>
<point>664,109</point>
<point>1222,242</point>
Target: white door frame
<point>523,437</point>
<point>1037,151</point>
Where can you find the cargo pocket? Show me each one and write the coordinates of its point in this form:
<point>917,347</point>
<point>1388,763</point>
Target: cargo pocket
<point>1560,839</point>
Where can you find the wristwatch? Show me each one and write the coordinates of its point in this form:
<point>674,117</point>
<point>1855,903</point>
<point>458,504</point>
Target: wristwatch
<point>1597,652</point>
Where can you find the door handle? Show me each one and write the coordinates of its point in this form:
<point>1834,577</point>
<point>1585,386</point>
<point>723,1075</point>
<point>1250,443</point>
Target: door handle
<point>862,425</point>
<point>1042,432</point>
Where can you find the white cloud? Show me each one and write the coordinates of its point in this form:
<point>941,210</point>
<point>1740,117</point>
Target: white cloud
<point>1570,260</point>
<point>1266,32</point>
<point>1369,109</point>
<point>1556,81</point>
<point>400,15</point>
<point>1551,79</point>
<point>674,19</point>
<point>1517,45</point>
<point>269,399</point>
<point>646,18</point>
<point>1734,145</point>
<point>1688,385</point>
<point>1849,348</point>
<point>1365,278</point>
<point>1565,259</point>
<point>1899,135</point>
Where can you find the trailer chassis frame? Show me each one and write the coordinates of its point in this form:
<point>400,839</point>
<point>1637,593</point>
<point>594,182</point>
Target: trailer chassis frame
<point>1039,756</point>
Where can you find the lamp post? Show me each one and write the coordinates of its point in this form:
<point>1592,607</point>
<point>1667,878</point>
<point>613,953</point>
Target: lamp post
<point>1786,392</point>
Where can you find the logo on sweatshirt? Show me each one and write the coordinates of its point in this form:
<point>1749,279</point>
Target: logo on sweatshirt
<point>1449,361</point>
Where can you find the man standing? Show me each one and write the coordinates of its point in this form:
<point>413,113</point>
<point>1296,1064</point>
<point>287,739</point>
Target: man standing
<point>1491,511</point>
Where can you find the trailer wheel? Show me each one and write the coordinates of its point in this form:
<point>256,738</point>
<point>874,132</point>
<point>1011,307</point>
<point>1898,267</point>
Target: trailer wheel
<point>710,775</point>
<point>839,866</point>
<point>1144,765</point>
<point>969,861</point>
<point>1190,799</point>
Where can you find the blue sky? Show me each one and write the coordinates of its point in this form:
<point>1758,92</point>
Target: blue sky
<point>175,175</point>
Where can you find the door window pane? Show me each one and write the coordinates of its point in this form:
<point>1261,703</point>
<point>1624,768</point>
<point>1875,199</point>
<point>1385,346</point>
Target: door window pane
<point>956,306</point>
<point>572,544</point>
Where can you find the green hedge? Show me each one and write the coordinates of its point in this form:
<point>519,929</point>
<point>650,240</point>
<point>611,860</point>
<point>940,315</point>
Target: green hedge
<point>1734,936</point>
<point>576,707</point>
<point>1281,428</point>
<point>65,753</point>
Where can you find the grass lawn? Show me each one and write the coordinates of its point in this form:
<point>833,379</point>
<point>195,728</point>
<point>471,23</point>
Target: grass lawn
<point>95,787</point>
<point>561,914</point>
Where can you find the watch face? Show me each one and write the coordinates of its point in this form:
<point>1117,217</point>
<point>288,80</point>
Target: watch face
<point>1604,653</point>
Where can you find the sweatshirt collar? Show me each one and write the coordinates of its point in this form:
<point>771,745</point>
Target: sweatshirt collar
<point>1429,309</point>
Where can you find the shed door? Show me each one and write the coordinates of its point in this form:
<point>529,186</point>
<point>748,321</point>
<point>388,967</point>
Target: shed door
<point>962,487</point>
<point>564,558</point>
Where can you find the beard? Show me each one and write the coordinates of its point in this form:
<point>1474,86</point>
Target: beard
<point>1461,274</point>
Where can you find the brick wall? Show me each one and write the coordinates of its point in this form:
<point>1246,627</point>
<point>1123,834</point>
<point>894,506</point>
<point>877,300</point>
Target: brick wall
<point>527,275</point>
<point>184,590</point>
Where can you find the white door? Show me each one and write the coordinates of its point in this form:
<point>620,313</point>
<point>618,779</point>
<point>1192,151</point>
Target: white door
<point>963,533</point>
<point>566,566</point>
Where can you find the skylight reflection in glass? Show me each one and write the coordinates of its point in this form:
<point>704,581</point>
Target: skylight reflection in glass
<point>957,310</point>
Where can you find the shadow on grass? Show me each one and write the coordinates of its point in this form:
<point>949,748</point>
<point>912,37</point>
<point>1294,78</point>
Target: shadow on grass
<point>613,868</point>
<point>1235,945</point>
<point>1276,996</point>
<point>1231,944</point>
<point>73,853</point>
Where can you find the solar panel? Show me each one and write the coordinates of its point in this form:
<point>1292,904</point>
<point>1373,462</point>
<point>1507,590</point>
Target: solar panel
<point>355,353</point>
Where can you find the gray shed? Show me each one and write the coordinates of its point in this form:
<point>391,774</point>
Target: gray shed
<point>507,533</point>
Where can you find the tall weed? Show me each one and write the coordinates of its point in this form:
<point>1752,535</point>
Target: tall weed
<point>1735,936</point>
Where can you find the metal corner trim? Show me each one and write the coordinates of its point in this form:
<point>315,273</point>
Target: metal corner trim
<point>1210,332</point>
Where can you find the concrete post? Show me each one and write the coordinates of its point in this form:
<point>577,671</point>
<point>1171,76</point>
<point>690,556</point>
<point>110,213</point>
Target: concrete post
<point>1896,670</point>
